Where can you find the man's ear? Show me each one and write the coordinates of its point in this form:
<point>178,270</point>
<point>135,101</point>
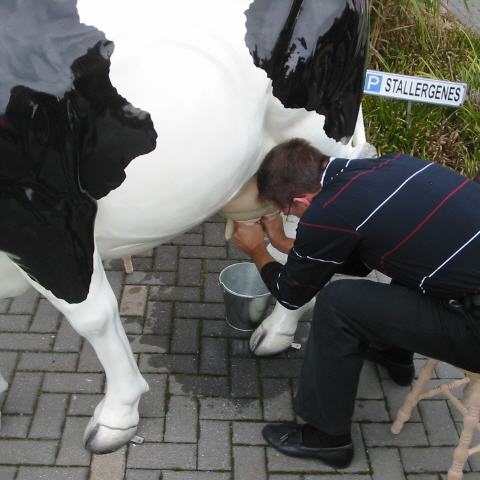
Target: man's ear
<point>305,199</point>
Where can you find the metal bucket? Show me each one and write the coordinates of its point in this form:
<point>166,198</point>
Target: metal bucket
<point>246,296</point>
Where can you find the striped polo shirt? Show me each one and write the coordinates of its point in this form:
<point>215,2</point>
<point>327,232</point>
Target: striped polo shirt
<point>415,221</point>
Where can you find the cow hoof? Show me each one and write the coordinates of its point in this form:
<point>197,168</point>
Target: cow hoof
<point>264,343</point>
<point>101,439</point>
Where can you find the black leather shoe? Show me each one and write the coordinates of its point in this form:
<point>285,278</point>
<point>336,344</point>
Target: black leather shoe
<point>401,373</point>
<point>288,439</point>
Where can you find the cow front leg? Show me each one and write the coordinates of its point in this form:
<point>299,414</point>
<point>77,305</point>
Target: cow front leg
<point>116,417</point>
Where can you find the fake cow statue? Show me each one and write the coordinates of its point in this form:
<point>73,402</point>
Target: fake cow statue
<point>124,124</point>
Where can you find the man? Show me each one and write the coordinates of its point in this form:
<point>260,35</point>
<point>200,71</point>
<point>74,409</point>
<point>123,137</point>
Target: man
<point>415,221</point>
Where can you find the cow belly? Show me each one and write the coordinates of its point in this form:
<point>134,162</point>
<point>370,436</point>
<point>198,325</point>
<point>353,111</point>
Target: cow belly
<point>207,101</point>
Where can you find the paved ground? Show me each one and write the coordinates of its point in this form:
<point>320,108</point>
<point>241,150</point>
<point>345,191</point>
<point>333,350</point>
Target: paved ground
<point>209,397</point>
<point>467,14</point>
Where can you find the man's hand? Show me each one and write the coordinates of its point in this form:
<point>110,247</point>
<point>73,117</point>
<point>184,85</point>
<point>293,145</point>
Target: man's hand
<point>249,238</point>
<point>273,226</point>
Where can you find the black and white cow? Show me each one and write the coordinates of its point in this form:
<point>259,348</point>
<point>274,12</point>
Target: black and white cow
<point>87,174</point>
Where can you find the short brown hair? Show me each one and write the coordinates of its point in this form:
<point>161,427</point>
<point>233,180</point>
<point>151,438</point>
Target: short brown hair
<point>290,169</point>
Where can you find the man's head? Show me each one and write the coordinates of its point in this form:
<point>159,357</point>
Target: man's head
<point>291,174</point>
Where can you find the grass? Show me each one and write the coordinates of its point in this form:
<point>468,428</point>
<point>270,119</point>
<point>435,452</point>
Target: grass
<point>414,37</point>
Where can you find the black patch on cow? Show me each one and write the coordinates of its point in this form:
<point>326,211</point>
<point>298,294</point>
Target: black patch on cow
<point>314,51</point>
<point>62,144</point>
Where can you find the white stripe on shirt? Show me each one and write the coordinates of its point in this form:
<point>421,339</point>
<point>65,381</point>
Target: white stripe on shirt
<point>315,259</point>
<point>448,259</point>
<point>394,193</point>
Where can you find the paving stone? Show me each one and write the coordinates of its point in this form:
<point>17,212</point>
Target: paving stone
<point>212,291</point>
<point>370,411</point>
<point>109,467</point>
<point>148,343</point>
<point>89,361</point>
<point>134,300</point>
<point>115,279</point>
<point>181,420</point>
<point>379,435</point>
<point>360,462</point>
<point>426,460</point>
<point>72,452</point>
<point>29,452</point>
<point>220,328</point>
<point>185,337</point>
<point>188,239</point>
<point>48,362</point>
<point>46,318</point>
<point>189,272</point>
<point>152,403</point>
<point>159,318</point>
<point>83,404</point>
<point>216,266</point>
<point>73,383</point>
<point>426,476</point>
<point>15,426</point>
<point>142,263</point>
<point>174,293</point>
<point>439,424</point>
<point>8,473</point>
<point>52,473</point>
<point>444,370</point>
<point>136,474</point>
<point>339,477</point>
<point>133,325</point>
<point>14,323</point>
<point>191,251</point>
<point>164,363</point>
<point>198,385</point>
<point>199,310</point>
<point>369,385</point>
<point>248,433</point>
<point>214,234</point>
<point>249,462</point>
<point>49,416</point>
<point>150,278</point>
<point>287,477</point>
<point>151,429</point>
<point>244,378</point>
<point>8,362</point>
<point>5,304</point>
<point>282,367</point>
<point>277,400</point>
<point>162,456</point>
<point>386,463</point>
<point>213,359</point>
<point>25,303</point>
<point>196,476</point>
<point>229,409</point>
<point>25,341</point>
<point>67,339</point>
<point>165,258</point>
<point>214,451</point>
<point>22,394</point>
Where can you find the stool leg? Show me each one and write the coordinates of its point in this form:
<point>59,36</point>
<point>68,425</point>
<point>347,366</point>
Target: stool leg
<point>470,421</point>
<point>413,397</point>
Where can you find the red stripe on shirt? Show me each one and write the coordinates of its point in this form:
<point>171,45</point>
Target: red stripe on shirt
<point>377,167</point>
<point>423,222</point>
<point>329,227</point>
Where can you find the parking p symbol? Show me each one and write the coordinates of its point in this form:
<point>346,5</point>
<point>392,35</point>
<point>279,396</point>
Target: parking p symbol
<point>373,83</point>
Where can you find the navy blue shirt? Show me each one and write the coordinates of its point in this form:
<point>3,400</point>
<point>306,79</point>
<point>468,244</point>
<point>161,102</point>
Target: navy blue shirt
<point>415,221</point>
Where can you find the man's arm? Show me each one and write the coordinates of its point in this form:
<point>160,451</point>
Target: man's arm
<point>273,226</point>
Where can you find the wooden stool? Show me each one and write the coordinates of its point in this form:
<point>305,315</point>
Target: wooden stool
<point>469,408</point>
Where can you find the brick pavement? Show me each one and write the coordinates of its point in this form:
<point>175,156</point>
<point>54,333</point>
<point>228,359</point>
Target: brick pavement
<point>209,396</point>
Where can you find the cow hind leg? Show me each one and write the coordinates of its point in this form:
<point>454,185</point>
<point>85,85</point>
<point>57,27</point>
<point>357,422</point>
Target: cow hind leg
<point>116,417</point>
